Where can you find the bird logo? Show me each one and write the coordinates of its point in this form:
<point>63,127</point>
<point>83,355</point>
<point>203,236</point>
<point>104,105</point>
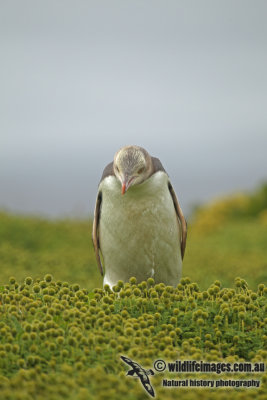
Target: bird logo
<point>138,372</point>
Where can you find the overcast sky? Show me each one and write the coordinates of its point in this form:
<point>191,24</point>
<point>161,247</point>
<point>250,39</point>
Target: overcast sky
<point>79,79</point>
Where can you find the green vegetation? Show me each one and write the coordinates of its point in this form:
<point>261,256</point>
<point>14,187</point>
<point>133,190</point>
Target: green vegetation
<point>238,206</point>
<point>228,237</point>
<point>60,342</point>
<point>35,246</point>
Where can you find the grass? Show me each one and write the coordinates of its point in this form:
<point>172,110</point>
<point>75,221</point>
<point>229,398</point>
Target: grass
<point>237,248</point>
<point>34,246</point>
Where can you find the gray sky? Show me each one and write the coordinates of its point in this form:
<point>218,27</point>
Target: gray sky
<point>79,79</point>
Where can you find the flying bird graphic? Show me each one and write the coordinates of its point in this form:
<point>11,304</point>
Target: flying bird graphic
<point>141,373</point>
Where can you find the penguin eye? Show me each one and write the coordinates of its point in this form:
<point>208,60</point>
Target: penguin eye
<point>141,170</point>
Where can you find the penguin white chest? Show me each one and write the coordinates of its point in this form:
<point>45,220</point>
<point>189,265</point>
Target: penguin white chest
<point>139,232</point>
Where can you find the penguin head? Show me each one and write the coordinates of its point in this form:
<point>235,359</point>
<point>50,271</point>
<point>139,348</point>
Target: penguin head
<point>132,166</point>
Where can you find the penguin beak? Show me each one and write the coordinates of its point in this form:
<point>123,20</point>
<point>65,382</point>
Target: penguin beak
<point>123,188</point>
<point>126,183</point>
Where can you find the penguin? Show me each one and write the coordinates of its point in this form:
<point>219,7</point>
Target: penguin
<point>138,225</point>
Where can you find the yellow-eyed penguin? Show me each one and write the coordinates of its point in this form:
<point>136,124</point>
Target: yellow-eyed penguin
<point>138,223</point>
